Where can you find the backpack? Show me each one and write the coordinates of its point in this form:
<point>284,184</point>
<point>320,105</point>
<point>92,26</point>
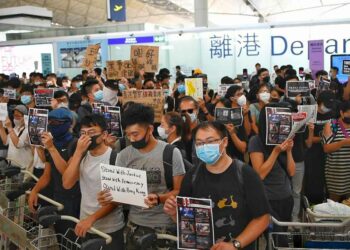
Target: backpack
<point>168,165</point>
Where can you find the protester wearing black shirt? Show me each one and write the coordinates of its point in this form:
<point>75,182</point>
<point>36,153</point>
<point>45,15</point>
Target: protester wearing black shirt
<point>241,210</point>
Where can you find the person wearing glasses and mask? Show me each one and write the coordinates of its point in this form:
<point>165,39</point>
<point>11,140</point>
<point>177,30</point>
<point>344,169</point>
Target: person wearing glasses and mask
<point>84,168</point>
<point>240,206</point>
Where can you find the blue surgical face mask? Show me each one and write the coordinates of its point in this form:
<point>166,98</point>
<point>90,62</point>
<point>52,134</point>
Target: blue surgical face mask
<point>98,95</point>
<point>121,87</point>
<point>26,99</point>
<point>78,85</point>
<point>181,89</point>
<point>209,153</point>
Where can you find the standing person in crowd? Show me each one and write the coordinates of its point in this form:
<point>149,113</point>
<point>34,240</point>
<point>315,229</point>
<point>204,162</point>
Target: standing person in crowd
<point>146,153</point>
<point>315,158</point>
<point>84,168</point>
<point>336,86</point>
<point>111,93</point>
<point>263,97</point>
<point>19,151</point>
<point>239,184</point>
<point>27,96</point>
<point>336,144</point>
<point>75,86</point>
<point>275,166</point>
<point>59,146</point>
<point>275,95</point>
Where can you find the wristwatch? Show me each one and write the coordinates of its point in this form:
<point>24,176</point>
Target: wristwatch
<point>237,244</point>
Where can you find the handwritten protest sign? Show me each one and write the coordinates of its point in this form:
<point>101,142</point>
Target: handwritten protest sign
<point>118,69</point>
<point>229,116</point>
<point>145,57</point>
<point>3,112</point>
<point>222,89</point>
<point>194,87</point>
<point>296,88</point>
<point>127,185</point>
<point>90,56</point>
<point>153,98</point>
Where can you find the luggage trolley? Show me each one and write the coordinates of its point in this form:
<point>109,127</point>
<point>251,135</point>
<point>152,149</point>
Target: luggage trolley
<point>332,235</point>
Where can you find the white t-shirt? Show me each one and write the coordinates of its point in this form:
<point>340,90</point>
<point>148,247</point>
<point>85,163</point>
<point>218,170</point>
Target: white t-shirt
<point>37,162</point>
<point>90,185</point>
<point>22,154</point>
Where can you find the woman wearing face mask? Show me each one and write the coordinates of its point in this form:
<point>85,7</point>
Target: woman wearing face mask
<point>275,95</point>
<point>17,138</point>
<point>336,144</point>
<point>263,97</point>
<point>175,129</point>
<point>238,100</point>
<point>235,190</point>
<point>315,158</point>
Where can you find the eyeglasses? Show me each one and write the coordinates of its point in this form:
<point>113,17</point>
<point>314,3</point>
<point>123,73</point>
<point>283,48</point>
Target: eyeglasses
<point>190,111</point>
<point>212,141</point>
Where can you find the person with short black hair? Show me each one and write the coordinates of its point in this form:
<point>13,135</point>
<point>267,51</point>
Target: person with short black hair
<point>336,86</point>
<point>27,96</point>
<point>263,77</point>
<point>240,197</point>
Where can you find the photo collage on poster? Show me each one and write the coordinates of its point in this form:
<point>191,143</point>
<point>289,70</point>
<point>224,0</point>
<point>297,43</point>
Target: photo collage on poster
<point>37,124</point>
<point>43,97</point>
<point>229,116</point>
<point>195,223</point>
<point>112,117</point>
<point>278,125</point>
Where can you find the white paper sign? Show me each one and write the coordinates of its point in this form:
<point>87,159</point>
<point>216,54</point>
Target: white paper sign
<point>311,111</point>
<point>126,185</point>
<point>3,111</point>
<point>222,89</point>
<point>194,87</point>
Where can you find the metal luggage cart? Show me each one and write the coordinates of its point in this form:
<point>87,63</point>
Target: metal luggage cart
<point>67,241</point>
<point>311,236</point>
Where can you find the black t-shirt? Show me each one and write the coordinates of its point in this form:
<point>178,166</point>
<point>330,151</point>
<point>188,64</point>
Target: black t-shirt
<point>231,148</point>
<point>66,152</point>
<point>299,148</point>
<point>235,202</point>
<point>280,82</point>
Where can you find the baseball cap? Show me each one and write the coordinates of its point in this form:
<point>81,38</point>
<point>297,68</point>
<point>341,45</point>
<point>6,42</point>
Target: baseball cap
<point>61,114</point>
<point>21,108</point>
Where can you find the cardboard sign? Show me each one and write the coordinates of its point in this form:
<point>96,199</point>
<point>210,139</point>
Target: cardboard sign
<point>118,69</point>
<point>3,112</point>
<point>222,89</point>
<point>153,98</point>
<point>346,67</point>
<point>278,125</point>
<point>113,120</point>
<point>145,57</point>
<point>195,227</point>
<point>43,97</point>
<point>90,56</point>
<point>127,185</point>
<point>194,87</point>
<point>311,111</point>
<point>296,88</point>
<point>10,93</point>
<point>37,124</point>
<point>229,115</point>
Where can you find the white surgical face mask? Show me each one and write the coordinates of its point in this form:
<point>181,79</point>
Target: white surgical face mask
<point>110,96</point>
<point>242,100</point>
<point>162,133</point>
<point>17,123</point>
<point>193,117</point>
<point>264,97</point>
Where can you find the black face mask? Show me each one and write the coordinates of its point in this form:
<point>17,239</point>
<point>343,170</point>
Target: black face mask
<point>94,143</point>
<point>141,143</point>
<point>266,79</point>
<point>346,120</point>
<point>276,100</point>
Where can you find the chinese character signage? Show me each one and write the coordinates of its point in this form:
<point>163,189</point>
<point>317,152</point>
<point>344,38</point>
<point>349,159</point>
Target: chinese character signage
<point>116,10</point>
<point>90,56</point>
<point>145,57</point>
<point>46,63</point>
<point>118,69</point>
<point>316,56</point>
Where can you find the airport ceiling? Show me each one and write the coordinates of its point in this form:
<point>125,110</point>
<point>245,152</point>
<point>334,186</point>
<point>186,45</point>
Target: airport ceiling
<point>179,13</point>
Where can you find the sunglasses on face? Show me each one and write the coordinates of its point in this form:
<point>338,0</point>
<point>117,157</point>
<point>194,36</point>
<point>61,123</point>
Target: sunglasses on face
<point>190,111</point>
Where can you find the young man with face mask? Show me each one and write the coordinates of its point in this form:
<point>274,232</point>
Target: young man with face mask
<point>84,168</point>
<point>146,153</point>
<point>17,138</point>
<point>240,206</point>
<point>59,146</point>
<point>27,96</point>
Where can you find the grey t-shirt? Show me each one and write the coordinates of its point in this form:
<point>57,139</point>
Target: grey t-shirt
<point>152,162</point>
<point>277,183</point>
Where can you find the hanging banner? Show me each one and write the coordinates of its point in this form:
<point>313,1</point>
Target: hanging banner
<point>46,63</point>
<point>116,10</point>
<point>316,56</point>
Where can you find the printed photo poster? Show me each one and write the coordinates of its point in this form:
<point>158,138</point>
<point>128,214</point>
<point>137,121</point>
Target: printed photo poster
<point>37,124</point>
<point>278,125</point>
<point>113,119</point>
<point>299,121</point>
<point>323,85</point>
<point>229,116</point>
<point>96,107</point>
<point>346,67</point>
<point>10,93</point>
<point>312,84</point>
<point>295,88</point>
<point>195,227</point>
<point>127,185</point>
<point>3,112</point>
<point>311,111</point>
<point>194,87</point>
<point>90,57</point>
<point>222,89</point>
<point>43,97</point>
<point>145,57</point>
<point>153,98</point>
